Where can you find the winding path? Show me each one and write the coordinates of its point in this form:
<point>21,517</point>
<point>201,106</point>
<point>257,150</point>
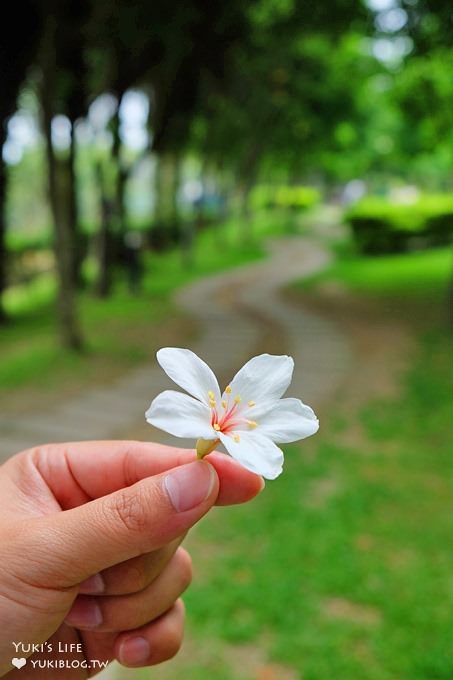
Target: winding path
<point>240,313</point>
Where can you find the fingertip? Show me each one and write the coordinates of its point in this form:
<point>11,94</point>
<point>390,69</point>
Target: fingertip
<point>134,651</point>
<point>191,485</point>
<point>237,485</point>
<point>157,641</point>
<point>94,585</point>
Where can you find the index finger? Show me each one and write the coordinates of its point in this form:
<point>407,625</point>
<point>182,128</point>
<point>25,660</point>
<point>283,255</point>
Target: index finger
<point>98,468</point>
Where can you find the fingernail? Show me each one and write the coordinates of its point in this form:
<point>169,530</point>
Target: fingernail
<point>134,651</point>
<point>85,613</point>
<point>93,585</point>
<point>189,485</point>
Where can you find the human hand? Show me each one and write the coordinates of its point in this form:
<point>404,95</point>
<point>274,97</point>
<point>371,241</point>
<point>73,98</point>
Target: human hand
<point>90,563</point>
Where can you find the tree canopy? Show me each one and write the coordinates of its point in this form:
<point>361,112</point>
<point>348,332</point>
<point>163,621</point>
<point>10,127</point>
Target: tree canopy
<point>250,90</point>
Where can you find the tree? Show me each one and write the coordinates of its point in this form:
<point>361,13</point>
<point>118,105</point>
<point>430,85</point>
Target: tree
<point>289,87</point>
<point>425,88</point>
<point>61,186</point>
<point>18,42</point>
<point>430,24</point>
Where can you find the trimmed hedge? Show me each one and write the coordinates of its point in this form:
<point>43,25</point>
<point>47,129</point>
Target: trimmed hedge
<point>31,254</point>
<point>379,226</point>
<point>291,197</point>
<point>18,243</point>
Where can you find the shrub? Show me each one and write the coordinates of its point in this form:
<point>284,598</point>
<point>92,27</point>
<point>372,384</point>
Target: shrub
<point>380,226</point>
<point>18,243</point>
<point>290,197</point>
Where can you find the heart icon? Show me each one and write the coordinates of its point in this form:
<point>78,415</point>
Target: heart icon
<point>19,662</point>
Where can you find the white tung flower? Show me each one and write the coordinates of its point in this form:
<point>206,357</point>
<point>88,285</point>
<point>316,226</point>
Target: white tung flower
<point>248,418</point>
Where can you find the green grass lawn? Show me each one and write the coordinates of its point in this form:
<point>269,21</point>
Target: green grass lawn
<point>120,331</point>
<point>420,273</point>
<point>341,569</point>
<point>417,274</point>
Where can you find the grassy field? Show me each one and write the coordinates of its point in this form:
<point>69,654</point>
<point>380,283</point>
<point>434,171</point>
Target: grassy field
<point>342,568</point>
<point>411,276</point>
<point>120,331</point>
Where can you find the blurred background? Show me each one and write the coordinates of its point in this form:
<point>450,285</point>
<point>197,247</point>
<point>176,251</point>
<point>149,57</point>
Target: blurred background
<point>242,177</point>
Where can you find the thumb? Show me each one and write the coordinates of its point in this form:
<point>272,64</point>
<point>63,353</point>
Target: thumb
<point>69,546</point>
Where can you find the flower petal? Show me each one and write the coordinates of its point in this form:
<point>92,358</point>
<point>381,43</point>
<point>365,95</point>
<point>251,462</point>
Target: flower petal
<point>263,378</point>
<point>188,371</point>
<point>255,452</point>
<point>180,415</point>
<point>286,421</point>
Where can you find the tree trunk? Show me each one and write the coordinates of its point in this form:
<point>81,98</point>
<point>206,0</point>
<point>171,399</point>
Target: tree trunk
<point>450,294</point>
<point>104,249</point>
<point>248,175</point>
<point>121,172</point>
<point>73,212</point>
<point>3,252</point>
<point>166,214</point>
<point>64,245</point>
<point>245,221</point>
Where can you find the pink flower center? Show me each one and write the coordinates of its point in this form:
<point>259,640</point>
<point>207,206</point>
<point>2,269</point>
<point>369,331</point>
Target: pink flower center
<point>229,416</point>
<point>224,422</point>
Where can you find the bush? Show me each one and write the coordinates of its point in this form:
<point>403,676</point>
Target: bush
<point>32,254</point>
<point>18,243</point>
<point>380,226</point>
<point>290,197</point>
<point>440,228</point>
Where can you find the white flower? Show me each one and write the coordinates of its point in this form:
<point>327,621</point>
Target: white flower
<point>249,417</point>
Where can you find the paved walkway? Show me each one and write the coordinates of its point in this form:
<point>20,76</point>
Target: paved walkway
<point>240,313</point>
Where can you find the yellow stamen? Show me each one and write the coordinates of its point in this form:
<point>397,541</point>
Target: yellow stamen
<point>237,399</point>
<point>211,395</point>
<point>252,403</point>
<point>212,403</point>
<point>228,389</point>
<point>252,424</point>
<point>224,404</point>
<point>216,427</point>
<point>237,438</point>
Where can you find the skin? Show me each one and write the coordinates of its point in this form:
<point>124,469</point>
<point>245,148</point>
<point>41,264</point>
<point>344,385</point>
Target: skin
<point>70,512</point>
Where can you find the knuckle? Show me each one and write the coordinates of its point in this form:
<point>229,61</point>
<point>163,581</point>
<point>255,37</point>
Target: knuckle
<point>130,472</point>
<point>180,609</point>
<point>184,568</point>
<point>135,576</point>
<point>129,509</point>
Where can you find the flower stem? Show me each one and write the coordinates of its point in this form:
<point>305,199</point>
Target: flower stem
<point>205,446</point>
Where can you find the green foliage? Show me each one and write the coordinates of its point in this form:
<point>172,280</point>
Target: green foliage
<point>381,226</point>
<point>422,92</point>
<point>293,197</point>
<point>419,277</point>
<point>284,100</point>
<point>18,242</point>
